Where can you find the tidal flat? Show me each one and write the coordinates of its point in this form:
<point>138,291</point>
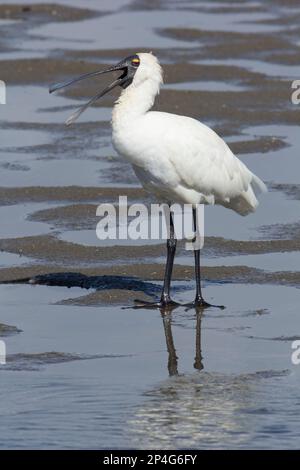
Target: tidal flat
<point>84,369</point>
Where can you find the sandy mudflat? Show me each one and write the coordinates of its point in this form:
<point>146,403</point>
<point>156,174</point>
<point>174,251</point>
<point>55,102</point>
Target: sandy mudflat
<point>83,370</point>
<point>260,99</point>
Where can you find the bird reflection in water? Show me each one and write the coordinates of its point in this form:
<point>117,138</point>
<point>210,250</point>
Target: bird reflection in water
<point>212,409</point>
<point>194,410</point>
<point>172,356</point>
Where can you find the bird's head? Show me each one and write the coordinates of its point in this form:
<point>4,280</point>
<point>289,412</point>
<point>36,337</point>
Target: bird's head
<point>148,69</point>
<point>136,70</point>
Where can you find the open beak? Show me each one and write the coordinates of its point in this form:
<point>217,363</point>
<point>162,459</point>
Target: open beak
<point>123,80</point>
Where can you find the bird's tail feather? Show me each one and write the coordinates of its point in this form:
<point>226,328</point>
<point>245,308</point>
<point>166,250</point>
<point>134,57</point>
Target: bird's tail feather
<point>247,202</point>
<point>258,185</point>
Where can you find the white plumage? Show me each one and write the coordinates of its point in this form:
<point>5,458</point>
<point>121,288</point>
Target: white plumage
<point>177,158</point>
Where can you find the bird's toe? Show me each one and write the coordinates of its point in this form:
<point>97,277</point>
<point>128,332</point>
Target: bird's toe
<point>200,303</point>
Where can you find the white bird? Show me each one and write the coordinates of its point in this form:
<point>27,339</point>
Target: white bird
<point>176,158</point>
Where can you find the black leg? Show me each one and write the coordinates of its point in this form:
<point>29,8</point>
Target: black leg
<point>165,299</point>
<point>199,300</point>
<point>171,250</point>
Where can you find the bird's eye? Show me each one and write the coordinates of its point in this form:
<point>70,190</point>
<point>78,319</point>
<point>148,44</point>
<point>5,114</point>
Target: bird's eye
<point>135,62</point>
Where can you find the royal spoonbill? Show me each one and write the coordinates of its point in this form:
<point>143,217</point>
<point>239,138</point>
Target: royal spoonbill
<point>176,158</point>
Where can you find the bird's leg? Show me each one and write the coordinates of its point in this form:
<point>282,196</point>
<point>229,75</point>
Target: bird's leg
<point>165,299</point>
<point>171,250</point>
<point>199,300</point>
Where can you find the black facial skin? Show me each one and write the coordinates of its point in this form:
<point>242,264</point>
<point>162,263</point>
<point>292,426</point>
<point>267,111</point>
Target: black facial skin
<point>128,66</point>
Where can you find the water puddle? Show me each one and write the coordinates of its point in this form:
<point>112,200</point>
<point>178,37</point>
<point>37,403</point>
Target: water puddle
<point>34,104</point>
<point>134,27</point>
<point>7,22</point>
<point>25,139</point>
<point>268,68</point>
<point>205,86</point>
<point>55,173</point>
<point>16,223</point>
<point>281,165</point>
<point>8,260</point>
<point>89,238</point>
<point>268,261</point>
<point>220,221</point>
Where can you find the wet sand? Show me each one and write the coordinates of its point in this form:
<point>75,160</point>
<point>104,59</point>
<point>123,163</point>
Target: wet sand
<point>8,330</point>
<point>262,99</point>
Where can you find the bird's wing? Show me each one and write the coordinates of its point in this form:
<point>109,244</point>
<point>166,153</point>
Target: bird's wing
<point>202,160</point>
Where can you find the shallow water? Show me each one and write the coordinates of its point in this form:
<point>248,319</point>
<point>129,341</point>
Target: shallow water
<point>114,393</point>
<point>115,28</point>
<point>290,72</point>
<point>33,104</point>
<point>81,376</point>
<point>268,262</point>
<point>11,259</point>
<point>206,86</point>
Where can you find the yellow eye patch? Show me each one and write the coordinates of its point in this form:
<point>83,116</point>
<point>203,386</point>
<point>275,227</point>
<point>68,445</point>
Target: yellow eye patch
<point>135,61</point>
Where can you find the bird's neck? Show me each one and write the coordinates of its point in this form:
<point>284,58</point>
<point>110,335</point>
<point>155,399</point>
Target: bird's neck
<point>134,102</point>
